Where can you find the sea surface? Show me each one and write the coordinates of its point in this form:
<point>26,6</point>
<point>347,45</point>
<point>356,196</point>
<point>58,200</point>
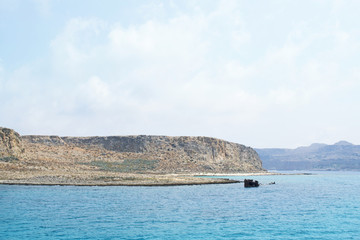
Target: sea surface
<point>321,206</point>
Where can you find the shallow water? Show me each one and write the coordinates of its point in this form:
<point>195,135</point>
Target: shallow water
<point>322,206</point>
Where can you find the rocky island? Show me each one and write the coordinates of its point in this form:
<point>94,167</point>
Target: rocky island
<point>120,160</point>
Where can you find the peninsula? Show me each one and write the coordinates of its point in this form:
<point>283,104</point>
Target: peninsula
<point>121,160</point>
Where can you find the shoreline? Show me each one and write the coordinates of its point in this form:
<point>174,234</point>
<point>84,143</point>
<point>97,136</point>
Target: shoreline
<point>131,184</point>
<point>119,184</point>
<point>239,174</point>
<point>251,174</point>
<point>115,180</point>
<point>135,179</point>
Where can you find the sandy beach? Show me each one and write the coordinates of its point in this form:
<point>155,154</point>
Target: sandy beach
<point>103,178</point>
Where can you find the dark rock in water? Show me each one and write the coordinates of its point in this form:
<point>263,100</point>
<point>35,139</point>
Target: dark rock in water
<point>250,183</point>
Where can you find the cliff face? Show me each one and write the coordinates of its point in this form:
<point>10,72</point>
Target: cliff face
<point>157,153</point>
<point>10,145</point>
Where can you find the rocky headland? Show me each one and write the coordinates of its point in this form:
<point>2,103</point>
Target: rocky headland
<point>120,160</point>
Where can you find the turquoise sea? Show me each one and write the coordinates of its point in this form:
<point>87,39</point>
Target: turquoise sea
<point>321,206</point>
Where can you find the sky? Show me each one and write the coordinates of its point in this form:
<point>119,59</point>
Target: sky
<point>261,73</point>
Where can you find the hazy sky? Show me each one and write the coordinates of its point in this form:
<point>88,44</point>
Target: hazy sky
<point>264,73</point>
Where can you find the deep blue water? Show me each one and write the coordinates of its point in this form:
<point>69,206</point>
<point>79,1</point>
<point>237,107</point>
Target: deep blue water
<point>322,206</point>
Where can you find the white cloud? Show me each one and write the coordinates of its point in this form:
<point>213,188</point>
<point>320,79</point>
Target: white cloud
<point>188,74</point>
<point>97,93</point>
<point>158,70</point>
<point>76,45</point>
<point>283,96</point>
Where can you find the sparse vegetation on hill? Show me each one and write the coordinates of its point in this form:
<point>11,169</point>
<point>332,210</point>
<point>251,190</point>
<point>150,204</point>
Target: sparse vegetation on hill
<point>85,159</point>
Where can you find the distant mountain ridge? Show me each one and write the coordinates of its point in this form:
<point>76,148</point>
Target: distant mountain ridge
<point>342,155</point>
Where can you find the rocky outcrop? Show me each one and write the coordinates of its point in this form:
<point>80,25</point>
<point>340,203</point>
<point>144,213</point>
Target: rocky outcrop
<point>10,145</point>
<point>45,140</point>
<point>161,153</point>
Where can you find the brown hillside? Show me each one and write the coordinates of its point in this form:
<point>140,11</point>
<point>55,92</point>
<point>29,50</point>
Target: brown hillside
<point>119,156</point>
